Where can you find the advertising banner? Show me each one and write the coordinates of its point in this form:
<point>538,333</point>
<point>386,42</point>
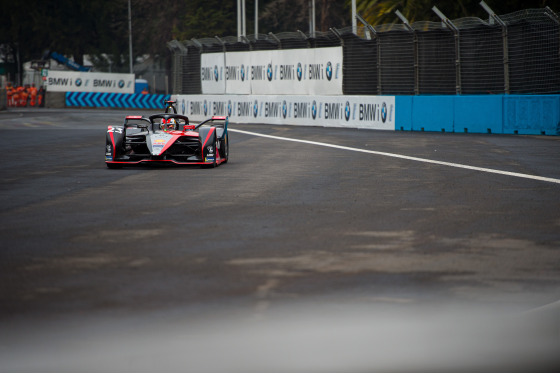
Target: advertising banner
<point>238,79</point>
<point>212,67</point>
<point>315,71</point>
<point>73,81</point>
<point>371,112</point>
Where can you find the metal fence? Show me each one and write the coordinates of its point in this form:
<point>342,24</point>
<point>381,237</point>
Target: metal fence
<point>516,53</point>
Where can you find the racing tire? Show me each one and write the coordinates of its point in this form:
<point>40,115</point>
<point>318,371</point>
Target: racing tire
<point>214,164</point>
<point>225,149</point>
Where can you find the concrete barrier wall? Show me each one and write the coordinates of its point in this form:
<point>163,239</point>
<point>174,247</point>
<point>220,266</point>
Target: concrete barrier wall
<point>490,114</point>
<point>532,115</point>
<point>55,99</point>
<point>3,98</point>
<point>486,114</point>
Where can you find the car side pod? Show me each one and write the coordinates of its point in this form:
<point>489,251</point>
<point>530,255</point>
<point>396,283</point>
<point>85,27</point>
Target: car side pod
<point>209,150</point>
<point>113,140</point>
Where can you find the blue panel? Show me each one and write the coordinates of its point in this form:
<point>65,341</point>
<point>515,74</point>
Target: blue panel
<point>115,100</point>
<point>479,114</point>
<point>532,114</point>
<point>433,113</point>
<point>403,113</point>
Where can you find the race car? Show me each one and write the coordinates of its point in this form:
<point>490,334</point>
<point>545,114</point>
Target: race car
<point>167,138</point>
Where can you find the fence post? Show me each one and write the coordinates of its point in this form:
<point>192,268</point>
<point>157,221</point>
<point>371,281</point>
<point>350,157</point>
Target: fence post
<point>179,53</point>
<point>247,41</point>
<point>455,31</point>
<point>550,13</point>
<point>198,44</point>
<point>504,42</point>
<point>222,43</point>
<point>337,34</point>
<point>415,44</point>
<point>374,33</point>
<point>278,41</point>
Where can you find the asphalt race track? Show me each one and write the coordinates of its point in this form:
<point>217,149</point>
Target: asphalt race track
<point>397,251</point>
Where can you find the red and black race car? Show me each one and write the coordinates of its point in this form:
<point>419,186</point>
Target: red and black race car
<point>167,138</point>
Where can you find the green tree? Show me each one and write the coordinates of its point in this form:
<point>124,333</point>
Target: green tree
<point>71,28</point>
<point>207,18</point>
<point>377,12</point>
<point>291,15</point>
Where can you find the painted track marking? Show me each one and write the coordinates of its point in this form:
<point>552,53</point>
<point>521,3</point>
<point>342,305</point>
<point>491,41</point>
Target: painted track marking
<point>394,155</point>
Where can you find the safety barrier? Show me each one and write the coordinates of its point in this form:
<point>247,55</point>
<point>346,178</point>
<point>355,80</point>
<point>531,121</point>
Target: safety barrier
<point>3,104</point>
<point>515,53</point>
<point>115,100</point>
<point>487,114</point>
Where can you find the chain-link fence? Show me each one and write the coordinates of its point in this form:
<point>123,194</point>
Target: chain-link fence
<point>516,53</point>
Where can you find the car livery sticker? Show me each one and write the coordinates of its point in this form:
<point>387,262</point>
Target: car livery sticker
<point>110,131</point>
<point>160,142</point>
<point>208,136</point>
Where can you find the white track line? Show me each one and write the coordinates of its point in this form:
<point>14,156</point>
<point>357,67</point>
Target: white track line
<point>425,160</point>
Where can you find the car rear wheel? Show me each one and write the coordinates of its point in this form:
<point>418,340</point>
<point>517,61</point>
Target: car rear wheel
<point>215,143</point>
<point>224,152</point>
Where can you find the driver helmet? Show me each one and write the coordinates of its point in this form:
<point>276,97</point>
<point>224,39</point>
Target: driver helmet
<point>169,125</point>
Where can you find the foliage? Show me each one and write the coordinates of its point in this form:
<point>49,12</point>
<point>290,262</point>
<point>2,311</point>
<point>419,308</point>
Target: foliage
<point>100,27</point>
<point>292,15</point>
<point>377,12</point>
<point>207,18</point>
<point>74,28</point>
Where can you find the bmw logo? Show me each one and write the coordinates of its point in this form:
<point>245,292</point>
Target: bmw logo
<point>384,112</point>
<point>256,108</point>
<point>269,72</point>
<point>78,82</point>
<point>242,72</point>
<point>299,71</point>
<point>347,111</point>
<point>284,109</point>
<point>121,83</point>
<point>205,107</point>
<point>329,70</point>
<point>216,73</point>
<point>183,106</point>
<point>314,109</point>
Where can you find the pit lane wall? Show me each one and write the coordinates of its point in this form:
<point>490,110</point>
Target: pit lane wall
<point>488,114</point>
